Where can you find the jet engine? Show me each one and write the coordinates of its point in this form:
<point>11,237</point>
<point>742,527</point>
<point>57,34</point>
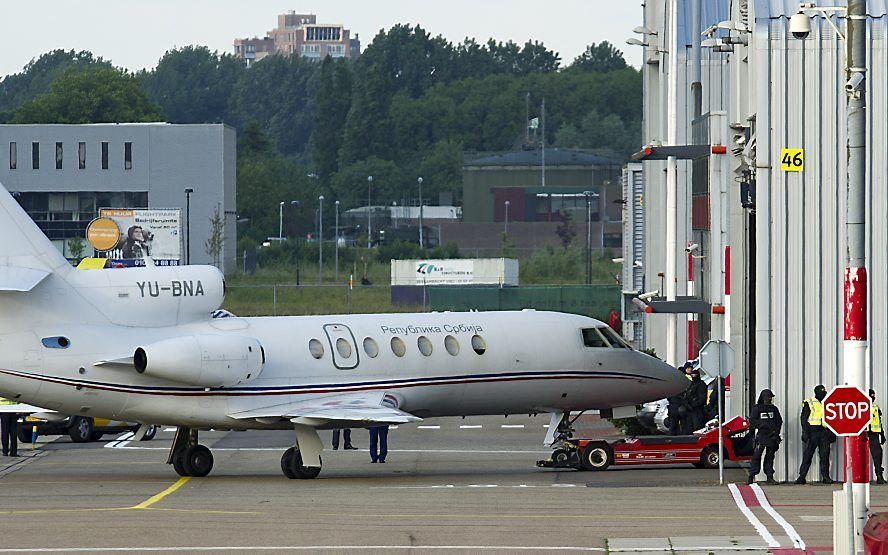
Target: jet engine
<point>202,360</point>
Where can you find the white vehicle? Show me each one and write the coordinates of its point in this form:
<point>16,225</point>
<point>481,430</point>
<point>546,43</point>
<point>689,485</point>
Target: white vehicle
<point>138,344</point>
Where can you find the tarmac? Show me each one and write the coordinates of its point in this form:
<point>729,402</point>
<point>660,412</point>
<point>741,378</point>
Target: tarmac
<point>448,486</point>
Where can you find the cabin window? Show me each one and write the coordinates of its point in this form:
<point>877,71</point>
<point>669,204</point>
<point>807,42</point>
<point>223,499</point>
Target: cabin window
<point>479,345</point>
<point>398,347</point>
<point>316,348</point>
<point>615,340</point>
<point>57,342</point>
<point>452,345</point>
<point>591,338</point>
<point>425,346</point>
<point>370,347</point>
<point>344,348</point>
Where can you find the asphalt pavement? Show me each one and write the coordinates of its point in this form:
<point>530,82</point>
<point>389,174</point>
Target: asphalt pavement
<point>448,486</point>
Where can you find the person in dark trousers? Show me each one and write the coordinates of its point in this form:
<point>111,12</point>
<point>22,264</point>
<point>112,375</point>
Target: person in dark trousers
<point>9,430</point>
<point>378,443</point>
<point>673,410</point>
<point>876,437</point>
<point>815,436</point>
<point>347,436</point>
<point>695,401</point>
<point>765,419</point>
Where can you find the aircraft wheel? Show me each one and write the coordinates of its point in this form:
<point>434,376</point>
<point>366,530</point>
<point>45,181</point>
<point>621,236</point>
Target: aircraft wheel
<point>197,461</point>
<point>24,434</point>
<point>179,463</point>
<point>291,464</point>
<point>149,435</point>
<point>597,456</point>
<point>709,457</point>
<point>81,429</point>
<point>560,457</point>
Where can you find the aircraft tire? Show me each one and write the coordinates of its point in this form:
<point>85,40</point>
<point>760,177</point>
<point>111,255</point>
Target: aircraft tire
<point>81,429</point>
<point>179,463</point>
<point>149,435</point>
<point>597,456</point>
<point>24,434</point>
<point>197,461</point>
<point>291,464</point>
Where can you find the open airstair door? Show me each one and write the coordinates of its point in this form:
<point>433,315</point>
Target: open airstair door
<point>342,345</point>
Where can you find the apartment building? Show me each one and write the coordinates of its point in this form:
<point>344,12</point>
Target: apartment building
<point>300,35</point>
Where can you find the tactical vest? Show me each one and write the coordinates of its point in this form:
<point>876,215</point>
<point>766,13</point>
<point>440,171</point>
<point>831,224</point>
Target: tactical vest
<point>7,401</point>
<point>815,417</point>
<point>875,420</point>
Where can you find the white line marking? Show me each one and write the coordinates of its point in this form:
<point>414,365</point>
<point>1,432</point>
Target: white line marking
<point>816,518</point>
<point>467,427</point>
<point>787,527</point>
<point>428,427</point>
<point>284,448</point>
<point>511,425</point>
<point>121,441</point>
<point>506,548</point>
<point>169,429</point>
<point>756,523</point>
<point>476,486</point>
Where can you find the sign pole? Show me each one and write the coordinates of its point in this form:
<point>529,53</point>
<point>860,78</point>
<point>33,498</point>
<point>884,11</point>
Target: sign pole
<point>849,494</point>
<point>721,462</point>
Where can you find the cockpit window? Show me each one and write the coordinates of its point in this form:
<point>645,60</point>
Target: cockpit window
<point>591,338</point>
<point>615,340</point>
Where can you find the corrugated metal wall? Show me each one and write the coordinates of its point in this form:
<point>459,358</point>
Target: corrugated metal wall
<point>799,102</point>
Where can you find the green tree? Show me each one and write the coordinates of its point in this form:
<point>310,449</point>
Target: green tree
<point>38,75</point>
<point>600,57</point>
<point>95,95</point>
<point>193,84</point>
<point>331,111</point>
<point>367,127</point>
<point>216,242</point>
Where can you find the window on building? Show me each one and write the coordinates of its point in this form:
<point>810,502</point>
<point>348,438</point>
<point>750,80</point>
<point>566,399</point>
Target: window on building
<point>35,156</point>
<point>58,156</point>
<point>13,156</point>
<point>81,155</point>
<point>127,156</point>
<point>104,155</point>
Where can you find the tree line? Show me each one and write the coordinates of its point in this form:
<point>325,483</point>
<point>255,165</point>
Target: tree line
<point>409,106</point>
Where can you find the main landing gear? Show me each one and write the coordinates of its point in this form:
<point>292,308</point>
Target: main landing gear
<point>188,457</point>
<point>302,461</point>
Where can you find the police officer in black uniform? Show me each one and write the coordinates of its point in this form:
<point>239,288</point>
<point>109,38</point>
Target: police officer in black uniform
<point>876,436</point>
<point>815,436</point>
<point>765,419</point>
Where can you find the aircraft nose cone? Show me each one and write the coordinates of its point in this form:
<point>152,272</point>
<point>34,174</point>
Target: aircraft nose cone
<point>671,380</point>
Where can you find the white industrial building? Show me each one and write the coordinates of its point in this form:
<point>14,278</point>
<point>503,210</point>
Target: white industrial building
<point>763,90</point>
<point>63,174</point>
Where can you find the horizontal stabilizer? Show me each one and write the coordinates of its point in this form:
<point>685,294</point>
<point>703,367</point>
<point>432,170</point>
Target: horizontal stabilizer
<point>14,278</point>
<point>360,408</point>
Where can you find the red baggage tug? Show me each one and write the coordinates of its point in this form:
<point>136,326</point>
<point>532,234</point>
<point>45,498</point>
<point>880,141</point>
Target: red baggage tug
<point>699,449</point>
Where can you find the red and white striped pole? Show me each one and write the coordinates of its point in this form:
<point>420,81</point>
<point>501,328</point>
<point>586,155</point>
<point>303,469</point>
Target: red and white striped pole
<point>855,337</point>
<point>728,292</point>
<point>692,317</point>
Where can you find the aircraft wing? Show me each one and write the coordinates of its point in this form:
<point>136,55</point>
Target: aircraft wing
<point>361,408</point>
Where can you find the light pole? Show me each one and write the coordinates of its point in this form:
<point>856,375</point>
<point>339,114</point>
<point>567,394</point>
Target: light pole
<point>421,244</point>
<point>281,221</point>
<point>336,248</point>
<point>369,212</point>
<point>506,221</point>
<point>588,195</point>
<point>188,192</point>
<point>321,239</point>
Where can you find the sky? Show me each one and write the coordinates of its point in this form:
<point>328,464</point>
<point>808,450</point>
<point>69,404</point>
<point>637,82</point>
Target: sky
<point>134,34</point>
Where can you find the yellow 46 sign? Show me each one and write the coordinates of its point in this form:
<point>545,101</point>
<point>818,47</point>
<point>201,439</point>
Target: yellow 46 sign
<point>792,159</point>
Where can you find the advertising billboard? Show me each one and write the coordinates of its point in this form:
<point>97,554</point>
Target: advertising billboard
<point>130,235</point>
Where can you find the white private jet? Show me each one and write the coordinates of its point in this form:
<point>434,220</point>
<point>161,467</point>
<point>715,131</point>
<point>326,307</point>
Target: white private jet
<point>139,344</point>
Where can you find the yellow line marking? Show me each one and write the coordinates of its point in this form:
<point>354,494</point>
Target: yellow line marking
<point>48,511</point>
<point>155,498</point>
<point>203,511</point>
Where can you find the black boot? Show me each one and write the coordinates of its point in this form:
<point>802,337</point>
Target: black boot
<point>771,480</point>
<point>879,479</point>
<point>750,479</point>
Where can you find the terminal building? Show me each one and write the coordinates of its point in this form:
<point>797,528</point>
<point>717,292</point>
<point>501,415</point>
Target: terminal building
<point>770,247</point>
<point>64,174</point>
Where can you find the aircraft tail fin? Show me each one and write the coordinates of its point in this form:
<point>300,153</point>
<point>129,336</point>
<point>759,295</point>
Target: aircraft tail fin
<point>25,251</point>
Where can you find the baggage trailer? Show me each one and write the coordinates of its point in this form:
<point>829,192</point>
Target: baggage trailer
<point>699,449</point>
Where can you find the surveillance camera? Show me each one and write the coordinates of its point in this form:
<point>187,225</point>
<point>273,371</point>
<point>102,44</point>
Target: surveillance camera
<point>854,83</point>
<point>649,295</point>
<point>617,260</point>
<point>692,247</point>
<point>800,26</point>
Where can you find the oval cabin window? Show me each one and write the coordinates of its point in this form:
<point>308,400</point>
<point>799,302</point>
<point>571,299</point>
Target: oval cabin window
<point>478,344</point>
<point>425,346</point>
<point>316,348</point>
<point>370,347</point>
<point>452,345</point>
<point>344,348</point>
<point>398,347</point>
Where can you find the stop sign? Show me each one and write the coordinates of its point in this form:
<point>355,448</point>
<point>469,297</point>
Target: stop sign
<point>846,410</point>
